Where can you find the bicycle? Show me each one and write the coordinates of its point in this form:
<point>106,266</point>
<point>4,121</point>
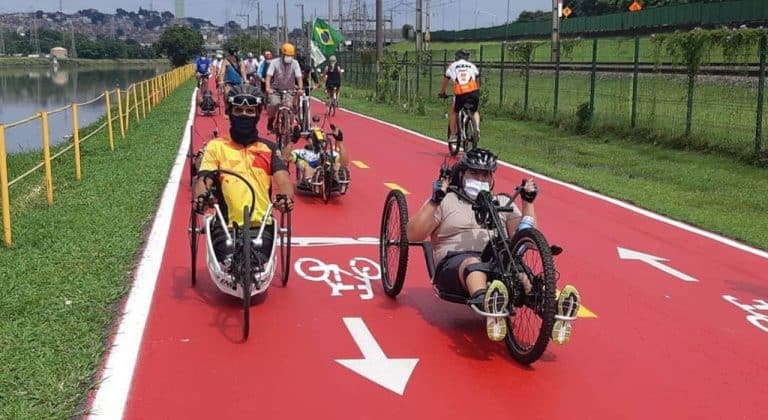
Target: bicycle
<point>284,120</point>
<point>303,116</point>
<point>467,134</point>
<point>527,253</point>
<point>333,101</point>
<point>324,181</point>
<point>245,272</point>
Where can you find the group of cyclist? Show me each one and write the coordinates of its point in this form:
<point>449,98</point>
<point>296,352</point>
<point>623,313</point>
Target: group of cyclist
<point>446,217</point>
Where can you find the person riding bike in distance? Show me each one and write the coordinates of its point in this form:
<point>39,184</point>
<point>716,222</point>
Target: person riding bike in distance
<point>251,67</point>
<point>332,76</point>
<point>307,159</point>
<point>232,71</point>
<point>283,74</point>
<point>458,240</point>
<point>202,67</point>
<point>244,153</point>
<point>466,90</point>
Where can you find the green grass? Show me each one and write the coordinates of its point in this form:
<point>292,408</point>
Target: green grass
<point>715,193</point>
<point>71,262</point>
<point>724,111</point>
<point>619,49</point>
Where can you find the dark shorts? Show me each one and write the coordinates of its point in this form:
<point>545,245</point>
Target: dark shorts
<point>447,273</point>
<point>472,98</point>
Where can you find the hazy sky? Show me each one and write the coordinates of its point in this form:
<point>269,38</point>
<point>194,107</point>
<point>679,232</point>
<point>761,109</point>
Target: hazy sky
<point>448,14</point>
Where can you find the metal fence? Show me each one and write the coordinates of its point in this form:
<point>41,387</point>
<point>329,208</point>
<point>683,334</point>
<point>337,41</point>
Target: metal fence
<point>661,18</point>
<point>716,109</point>
<point>127,106</point>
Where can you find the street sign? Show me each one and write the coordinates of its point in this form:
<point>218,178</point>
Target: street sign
<point>636,6</point>
<point>567,11</point>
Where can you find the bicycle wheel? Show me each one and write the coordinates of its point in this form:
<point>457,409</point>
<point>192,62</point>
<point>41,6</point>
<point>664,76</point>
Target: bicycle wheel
<point>285,128</point>
<point>285,247</point>
<point>246,271</point>
<point>531,325</point>
<point>471,134</point>
<point>393,243</point>
<point>193,236</point>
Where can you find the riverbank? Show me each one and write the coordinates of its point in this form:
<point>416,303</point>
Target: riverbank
<point>71,264</point>
<point>79,62</point>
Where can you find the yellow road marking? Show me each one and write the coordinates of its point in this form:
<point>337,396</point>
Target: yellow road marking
<point>360,164</point>
<point>393,186</point>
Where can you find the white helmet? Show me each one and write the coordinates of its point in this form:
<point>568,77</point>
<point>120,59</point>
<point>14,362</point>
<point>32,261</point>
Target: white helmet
<point>332,59</point>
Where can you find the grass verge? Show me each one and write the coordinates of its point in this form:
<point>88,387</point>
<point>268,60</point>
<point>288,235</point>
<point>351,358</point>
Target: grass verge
<point>712,192</point>
<point>71,262</point>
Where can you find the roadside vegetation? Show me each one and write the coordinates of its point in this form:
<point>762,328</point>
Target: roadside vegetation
<point>71,262</point>
<point>716,193</point>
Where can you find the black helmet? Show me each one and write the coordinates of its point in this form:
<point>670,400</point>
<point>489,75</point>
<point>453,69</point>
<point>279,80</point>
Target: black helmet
<point>462,55</point>
<point>479,159</point>
<point>244,95</point>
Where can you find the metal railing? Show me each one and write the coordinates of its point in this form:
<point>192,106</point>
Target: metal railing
<point>138,99</point>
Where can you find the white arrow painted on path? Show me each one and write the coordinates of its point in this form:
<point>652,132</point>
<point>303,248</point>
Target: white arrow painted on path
<point>392,374</point>
<point>653,261</point>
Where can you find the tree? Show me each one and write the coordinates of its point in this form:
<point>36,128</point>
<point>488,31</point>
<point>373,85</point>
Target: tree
<point>248,43</point>
<point>534,16</point>
<point>180,44</point>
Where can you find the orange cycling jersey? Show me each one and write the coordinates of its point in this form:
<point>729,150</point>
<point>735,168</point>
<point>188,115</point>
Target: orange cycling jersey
<point>464,76</point>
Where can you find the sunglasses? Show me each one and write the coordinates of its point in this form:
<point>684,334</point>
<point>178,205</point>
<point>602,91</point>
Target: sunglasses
<point>248,111</point>
<point>245,100</point>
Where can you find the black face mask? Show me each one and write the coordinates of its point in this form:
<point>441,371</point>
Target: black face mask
<point>243,130</point>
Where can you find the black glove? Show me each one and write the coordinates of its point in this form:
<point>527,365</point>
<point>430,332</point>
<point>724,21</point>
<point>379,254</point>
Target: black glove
<point>529,196</point>
<point>202,202</point>
<point>442,95</point>
<point>437,192</point>
<point>337,133</point>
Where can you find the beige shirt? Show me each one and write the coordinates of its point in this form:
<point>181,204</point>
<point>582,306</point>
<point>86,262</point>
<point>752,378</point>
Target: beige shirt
<point>457,229</point>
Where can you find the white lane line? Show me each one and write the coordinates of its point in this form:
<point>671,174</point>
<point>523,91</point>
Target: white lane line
<point>630,207</point>
<point>112,393</point>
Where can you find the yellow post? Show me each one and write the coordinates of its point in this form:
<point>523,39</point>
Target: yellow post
<point>47,157</point>
<point>120,113</point>
<point>76,140</point>
<point>154,91</point>
<point>4,194</point>
<point>143,101</point>
<point>127,115</point>
<point>109,121</point>
<point>136,102</point>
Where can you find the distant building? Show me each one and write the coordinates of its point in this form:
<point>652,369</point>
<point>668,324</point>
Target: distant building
<point>59,52</point>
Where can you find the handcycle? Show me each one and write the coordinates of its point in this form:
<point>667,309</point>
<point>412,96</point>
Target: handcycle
<point>333,100</point>
<point>284,120</point>
<point>467,134</point>
<point>532,316</point>
<point>325,181</point>
<point>245,271</point>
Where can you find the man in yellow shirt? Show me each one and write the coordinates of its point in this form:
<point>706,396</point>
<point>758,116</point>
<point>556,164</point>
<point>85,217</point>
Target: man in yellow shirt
<point>253,158</point>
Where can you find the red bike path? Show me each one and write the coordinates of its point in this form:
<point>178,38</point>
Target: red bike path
<point>647,342</point>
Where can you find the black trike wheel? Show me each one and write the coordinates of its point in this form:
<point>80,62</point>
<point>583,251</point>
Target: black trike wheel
<point>194,232</point>
<point>531,325</point>
<point>246,271</point>
<point>285,247</point>
<point>393,243</point>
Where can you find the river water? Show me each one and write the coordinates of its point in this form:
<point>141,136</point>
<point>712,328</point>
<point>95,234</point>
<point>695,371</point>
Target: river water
<point>27,91</point>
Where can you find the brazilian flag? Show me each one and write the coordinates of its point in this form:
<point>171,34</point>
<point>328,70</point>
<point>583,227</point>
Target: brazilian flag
<point>326,37</point>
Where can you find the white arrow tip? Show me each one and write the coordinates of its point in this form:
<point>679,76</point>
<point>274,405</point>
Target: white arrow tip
<point>392,374</point>
<point>629,254</point>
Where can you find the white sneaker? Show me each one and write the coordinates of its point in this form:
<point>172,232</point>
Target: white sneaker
<point>495,302</point>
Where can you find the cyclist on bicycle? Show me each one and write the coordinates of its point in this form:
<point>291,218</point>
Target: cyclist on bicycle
<point>466,90</point>
<point>256,159</point>
<point>202,67</point>
<point>284,74</point>
<point>332,76</point>
<point>458,240</point>
<point>307,160</point>
<point>261,73</point>
<point>232,71</point>
<point>251,67</point>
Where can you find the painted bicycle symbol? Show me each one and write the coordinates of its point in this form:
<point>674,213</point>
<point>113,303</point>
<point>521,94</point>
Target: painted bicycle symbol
<point>758,311</point>
<point>360,268</point>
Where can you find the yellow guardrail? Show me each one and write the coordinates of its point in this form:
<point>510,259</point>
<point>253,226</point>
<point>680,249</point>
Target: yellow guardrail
<point>139,98</point>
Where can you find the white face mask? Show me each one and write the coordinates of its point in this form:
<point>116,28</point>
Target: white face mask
<point>472,187</point>
<point>287,60</point>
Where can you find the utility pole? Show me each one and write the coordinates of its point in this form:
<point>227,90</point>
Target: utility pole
<point>303,27</point>
<point>556,6</point>
<point>379,31</point>
<point>277,25</point>
<point>247,17</point>
<point>258,19</point>
<point>427,36</point>
<point>506,26</point>
<point>365,25</point>
<point>73,49</point>
<point>330,12</point>
<point>2,42</point>
<point>341,17</point>
<point>419,26</point>
<point>285,21</point>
